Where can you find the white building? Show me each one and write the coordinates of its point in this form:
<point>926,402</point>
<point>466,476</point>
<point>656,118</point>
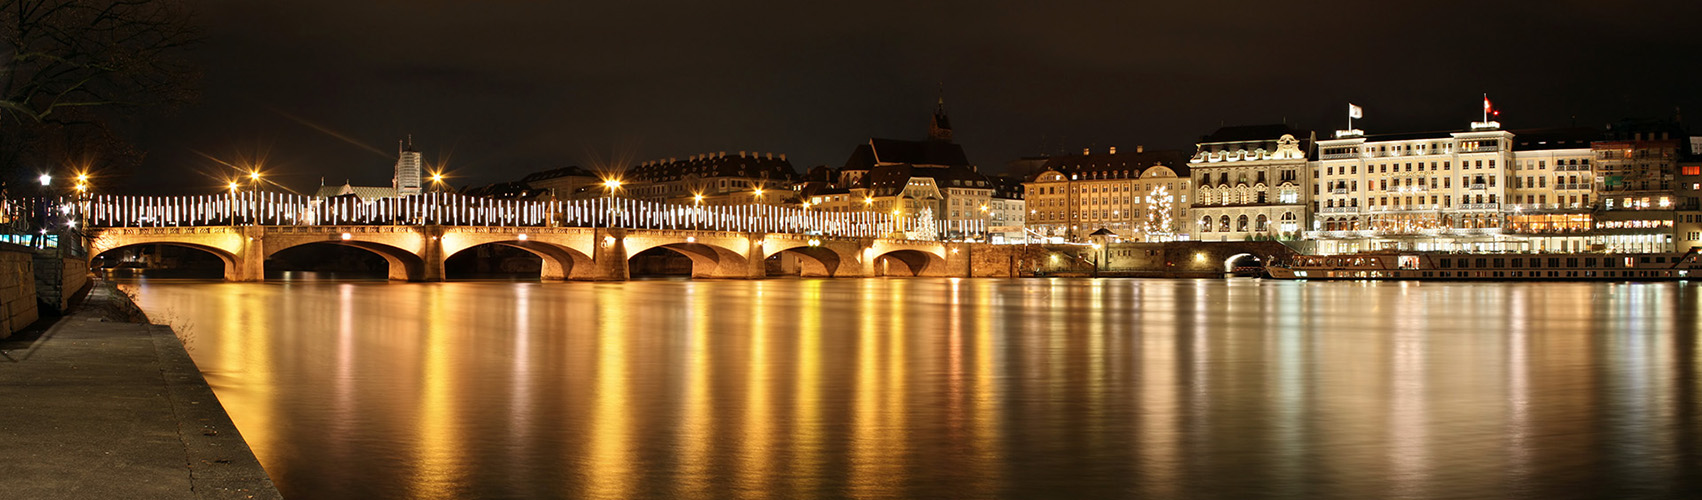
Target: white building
<point>1423,191</point>
<point>407,181</point>
<point>1251,182</point>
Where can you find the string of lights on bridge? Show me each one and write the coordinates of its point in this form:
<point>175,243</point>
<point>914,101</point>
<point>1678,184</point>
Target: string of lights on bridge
<point>283,209</point>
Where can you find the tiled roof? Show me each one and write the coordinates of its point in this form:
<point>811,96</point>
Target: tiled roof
<point>742,165</point>
<point>1119,165</point>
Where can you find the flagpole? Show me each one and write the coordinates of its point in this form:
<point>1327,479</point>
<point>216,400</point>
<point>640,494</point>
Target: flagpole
<point>1486,107</point>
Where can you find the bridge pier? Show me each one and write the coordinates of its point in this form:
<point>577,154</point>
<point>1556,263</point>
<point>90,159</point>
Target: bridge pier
<point>608,257</point>
<point>250,262</point>
<point>756,262</point>
<point>432,254</point>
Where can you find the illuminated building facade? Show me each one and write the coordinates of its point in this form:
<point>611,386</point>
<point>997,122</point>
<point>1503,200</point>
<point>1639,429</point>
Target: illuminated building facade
<point>1251,182</point>
<point>1138,196</point>
<point>1636,173</point>
<point>1687,214</point>
<point>1423,191</point>
<point>1553,189</point>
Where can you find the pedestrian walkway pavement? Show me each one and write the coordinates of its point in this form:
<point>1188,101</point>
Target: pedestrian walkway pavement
<point>96,407</point>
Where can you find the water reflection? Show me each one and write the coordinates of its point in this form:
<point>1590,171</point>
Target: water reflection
<point>920,388</point>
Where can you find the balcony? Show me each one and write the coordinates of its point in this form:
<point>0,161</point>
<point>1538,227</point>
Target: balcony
<point>1339,190</point>
<point>1480,206</point>
<point>1341,210</point>
<point>1477,185</point>
<point>1338,156</point>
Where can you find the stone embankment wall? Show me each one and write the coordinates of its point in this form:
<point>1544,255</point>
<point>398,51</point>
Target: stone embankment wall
<point>17,289</point>
<point>58,280</point>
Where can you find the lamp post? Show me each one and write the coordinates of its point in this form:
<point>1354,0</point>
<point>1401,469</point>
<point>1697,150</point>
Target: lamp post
<point>233,186</point>
<point>696,210</point>
<point>611,185</point>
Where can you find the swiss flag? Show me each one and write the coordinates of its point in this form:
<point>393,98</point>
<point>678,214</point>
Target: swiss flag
<point>1488,109</point>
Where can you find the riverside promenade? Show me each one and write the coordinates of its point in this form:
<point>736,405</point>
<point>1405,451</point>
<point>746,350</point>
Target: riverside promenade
<point>97,407</point>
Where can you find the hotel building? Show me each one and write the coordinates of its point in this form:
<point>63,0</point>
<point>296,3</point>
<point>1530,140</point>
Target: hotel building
<point>1423,191</point>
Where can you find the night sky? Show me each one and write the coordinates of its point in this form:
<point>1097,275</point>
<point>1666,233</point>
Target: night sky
<point>501,88</point>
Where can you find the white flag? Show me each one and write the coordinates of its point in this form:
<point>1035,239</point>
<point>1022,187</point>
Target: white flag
<point>1354,111</point>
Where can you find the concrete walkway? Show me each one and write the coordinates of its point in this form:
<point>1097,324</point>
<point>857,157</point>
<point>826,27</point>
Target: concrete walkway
<point>94,407</point>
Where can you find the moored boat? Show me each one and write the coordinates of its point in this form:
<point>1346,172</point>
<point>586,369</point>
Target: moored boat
<point>1493,266</point>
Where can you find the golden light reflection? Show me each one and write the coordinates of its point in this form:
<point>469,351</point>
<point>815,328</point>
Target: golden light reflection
<point>436,469</point>
<point>757,444</point>
<point>808,440</point>
<point>609,468</point>
<point>697,426</point>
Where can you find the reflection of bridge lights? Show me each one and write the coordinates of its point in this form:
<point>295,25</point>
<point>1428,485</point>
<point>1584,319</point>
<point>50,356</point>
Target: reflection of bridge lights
<point>346,236</point>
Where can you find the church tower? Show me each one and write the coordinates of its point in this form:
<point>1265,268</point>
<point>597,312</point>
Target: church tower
<point>940,128</point>
<point>407,179</point>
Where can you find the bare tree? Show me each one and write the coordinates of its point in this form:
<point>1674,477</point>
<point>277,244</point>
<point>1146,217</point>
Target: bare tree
<point>69,68</point>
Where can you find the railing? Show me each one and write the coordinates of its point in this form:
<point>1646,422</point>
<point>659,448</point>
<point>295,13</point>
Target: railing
<point>280,209</point>
<point>1477,185</point>
<point>1340,210</point>
<point>1480,206</point>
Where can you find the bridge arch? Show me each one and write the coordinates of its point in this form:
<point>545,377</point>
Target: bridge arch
<point>558,262</point>
<point>908,262</point>
<point>813,260</point>
<point>232,270</point>
<point>1243,258</point>
<point>403,264</point>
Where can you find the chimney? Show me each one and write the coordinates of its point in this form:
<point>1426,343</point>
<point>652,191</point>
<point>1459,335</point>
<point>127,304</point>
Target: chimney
<point>1113,149</point>
<point>1140,149</point>
<point>741,154</point>
<point>1086,151</point>
<point>771,156</point>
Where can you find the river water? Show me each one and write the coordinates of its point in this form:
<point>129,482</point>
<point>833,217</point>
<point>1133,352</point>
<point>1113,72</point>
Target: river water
<point>946,388</point>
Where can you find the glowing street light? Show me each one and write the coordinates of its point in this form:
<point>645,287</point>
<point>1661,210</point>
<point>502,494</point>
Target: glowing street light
<point>45,179</point>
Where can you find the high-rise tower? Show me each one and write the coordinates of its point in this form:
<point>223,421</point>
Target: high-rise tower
<point>407,179</point>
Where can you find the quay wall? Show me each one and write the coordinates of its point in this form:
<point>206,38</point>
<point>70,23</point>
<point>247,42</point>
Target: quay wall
<point>18,307</point>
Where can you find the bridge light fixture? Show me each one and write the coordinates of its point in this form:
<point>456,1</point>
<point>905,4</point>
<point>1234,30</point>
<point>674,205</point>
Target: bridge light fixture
<point>815,242</point>
<point>691,239</point>
<point>346,236</point>
<point>522,236</point>
<point>612,184</point>
<point>868,201</point>
<point>45,179</point>
<point>758,192</point>
<point>697,198</point>
<point>254,175</point>
<point>232,187</point>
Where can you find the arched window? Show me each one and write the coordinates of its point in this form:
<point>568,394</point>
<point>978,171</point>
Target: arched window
<point>1223,223</point>
<point>1259,224</point>
<point>1353,224</point>
<point>1241,224</point>
<point>1205,224</point>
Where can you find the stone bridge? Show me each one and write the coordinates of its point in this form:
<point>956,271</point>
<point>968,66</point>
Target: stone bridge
<point>417,253</point>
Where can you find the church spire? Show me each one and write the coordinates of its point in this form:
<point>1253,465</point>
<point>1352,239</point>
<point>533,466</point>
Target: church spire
<point>940,128</point>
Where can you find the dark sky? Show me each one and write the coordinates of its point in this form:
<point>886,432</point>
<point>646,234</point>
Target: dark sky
<point>500,88</point>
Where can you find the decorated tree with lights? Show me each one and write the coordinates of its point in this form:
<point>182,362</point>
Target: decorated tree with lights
<point>1160,205</point>
<point>925,227</point>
